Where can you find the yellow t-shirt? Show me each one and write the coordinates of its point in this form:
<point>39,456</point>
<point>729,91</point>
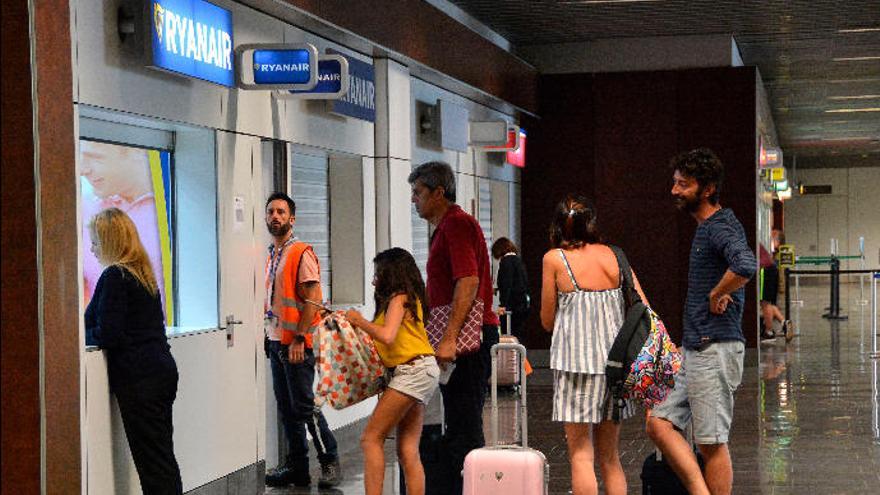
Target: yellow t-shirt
<point>411,341</point>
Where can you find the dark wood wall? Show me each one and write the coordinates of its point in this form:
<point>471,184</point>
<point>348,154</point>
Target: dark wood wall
<point>40,295</point>
<point>610,136</point>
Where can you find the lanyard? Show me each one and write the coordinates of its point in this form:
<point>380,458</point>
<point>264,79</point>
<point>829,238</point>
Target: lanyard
<point>275,256</point>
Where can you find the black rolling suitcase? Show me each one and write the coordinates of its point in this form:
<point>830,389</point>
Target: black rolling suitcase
<point>658,478</point>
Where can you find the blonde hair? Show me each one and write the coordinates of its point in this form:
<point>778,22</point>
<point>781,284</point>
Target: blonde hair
<point>118,243</point>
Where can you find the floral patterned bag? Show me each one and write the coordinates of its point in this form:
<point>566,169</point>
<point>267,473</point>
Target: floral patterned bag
<point>643,360</point>
<point>349,368</point>
<point>652,373</point>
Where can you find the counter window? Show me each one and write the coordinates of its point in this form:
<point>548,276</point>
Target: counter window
<point>137,181</point>
<point>165,178</point>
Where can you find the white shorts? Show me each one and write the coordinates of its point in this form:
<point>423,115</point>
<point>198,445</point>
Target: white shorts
<point>417,378</point>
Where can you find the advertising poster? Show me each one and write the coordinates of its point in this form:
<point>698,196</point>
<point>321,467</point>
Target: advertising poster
<point>137,181</point>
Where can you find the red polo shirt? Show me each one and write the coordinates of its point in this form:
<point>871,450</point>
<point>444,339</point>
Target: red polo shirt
<point>458,250</point>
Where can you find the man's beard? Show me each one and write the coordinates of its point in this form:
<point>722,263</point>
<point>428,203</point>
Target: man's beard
<point>689,204</point>
<point>278,229</point>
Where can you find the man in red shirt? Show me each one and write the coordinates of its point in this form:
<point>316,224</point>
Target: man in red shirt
<point>459,272</point>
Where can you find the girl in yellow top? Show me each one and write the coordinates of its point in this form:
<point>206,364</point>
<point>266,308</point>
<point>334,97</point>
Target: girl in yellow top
<point>398,330</point>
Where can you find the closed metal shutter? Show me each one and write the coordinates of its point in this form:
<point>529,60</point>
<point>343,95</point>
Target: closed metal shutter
<point>484,209</point>
<point>421,236</point>
<point>311,191</point>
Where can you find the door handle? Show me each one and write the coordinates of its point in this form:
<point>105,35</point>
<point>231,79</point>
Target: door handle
<point>230,329</point>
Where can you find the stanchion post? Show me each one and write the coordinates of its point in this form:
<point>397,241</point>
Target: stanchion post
<point>834,311</point>
<point>787,293</point>
<point>874,351</point>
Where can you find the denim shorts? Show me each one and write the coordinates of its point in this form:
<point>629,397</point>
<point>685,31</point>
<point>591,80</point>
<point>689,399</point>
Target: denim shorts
<point>704,390</point>
<point>417,378</point>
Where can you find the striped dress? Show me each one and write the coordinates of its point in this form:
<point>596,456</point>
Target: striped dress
<point>587,321</point>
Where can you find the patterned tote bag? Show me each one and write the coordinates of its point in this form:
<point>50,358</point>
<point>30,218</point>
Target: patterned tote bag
<point>349,368</point>
<point>469,337</point>
<point>652,373</point>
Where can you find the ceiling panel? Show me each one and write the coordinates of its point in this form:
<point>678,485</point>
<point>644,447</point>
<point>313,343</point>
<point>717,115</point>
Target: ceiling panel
<point>819,59</point>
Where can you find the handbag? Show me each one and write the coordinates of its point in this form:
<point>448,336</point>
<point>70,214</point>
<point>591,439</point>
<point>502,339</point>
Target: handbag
<point>469,337</point>
<point>349,367</point>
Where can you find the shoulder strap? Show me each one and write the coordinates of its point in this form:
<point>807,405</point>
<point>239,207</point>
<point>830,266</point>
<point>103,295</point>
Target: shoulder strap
<point>626,280</point>
<point>568,269</point>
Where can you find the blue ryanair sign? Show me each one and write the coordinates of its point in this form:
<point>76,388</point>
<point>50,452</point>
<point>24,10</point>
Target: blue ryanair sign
<point>277,66</point>
<point>360,100</point>
<point>332,80</point>
<point>282,66</point>
<point>193,38</point>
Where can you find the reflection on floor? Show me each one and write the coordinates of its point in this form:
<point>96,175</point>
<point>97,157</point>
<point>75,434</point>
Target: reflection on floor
<point>806,417</point>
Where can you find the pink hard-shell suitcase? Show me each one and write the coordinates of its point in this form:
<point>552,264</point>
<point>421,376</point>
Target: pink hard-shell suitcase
<point>508,360</point>
<point>506,469</point>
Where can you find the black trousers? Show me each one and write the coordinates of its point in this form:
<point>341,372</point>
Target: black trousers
<point>146,415</point>
<point>463,399</point>
<point>771,284</point>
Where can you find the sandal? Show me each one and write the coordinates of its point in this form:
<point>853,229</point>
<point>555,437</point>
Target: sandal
<point>788,330</point>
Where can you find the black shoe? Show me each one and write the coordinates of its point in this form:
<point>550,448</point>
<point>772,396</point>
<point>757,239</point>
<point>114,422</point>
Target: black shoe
<point>283,476</point>
<point>331,475</point>
<point>768,336</point>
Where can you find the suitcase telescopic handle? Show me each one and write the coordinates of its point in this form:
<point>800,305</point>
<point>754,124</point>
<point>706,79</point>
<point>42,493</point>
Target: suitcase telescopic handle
<point>518,348</point>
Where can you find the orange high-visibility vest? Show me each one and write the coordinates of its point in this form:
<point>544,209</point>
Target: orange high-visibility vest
<point>291,302</point>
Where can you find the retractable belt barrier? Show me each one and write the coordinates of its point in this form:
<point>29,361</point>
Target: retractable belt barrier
<point>834,306</point>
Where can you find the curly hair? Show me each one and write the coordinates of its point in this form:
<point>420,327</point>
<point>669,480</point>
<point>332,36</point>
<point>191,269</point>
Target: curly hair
<point>704,166</point>
<point>397,273</point>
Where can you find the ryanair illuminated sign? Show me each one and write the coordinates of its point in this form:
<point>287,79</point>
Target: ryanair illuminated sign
<point>332,80</point>
<point>193,38</point>
<point>360,99</point>
<point>277,66</point>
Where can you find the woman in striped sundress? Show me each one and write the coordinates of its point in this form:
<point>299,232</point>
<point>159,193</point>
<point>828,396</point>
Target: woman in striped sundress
<point>582,304</point>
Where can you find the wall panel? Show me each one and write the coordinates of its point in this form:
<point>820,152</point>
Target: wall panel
<point>610,137</point>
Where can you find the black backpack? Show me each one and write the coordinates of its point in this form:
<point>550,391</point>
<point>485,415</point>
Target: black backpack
<point>630,339</point>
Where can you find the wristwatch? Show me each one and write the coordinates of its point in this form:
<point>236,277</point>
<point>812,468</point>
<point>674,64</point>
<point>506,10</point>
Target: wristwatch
<point>299,339</point>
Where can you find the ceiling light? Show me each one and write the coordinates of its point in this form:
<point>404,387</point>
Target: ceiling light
<point>859,30</point>
<point>595,2</point>
<point>854,81</point>
<point>856,59</point>
<point>856,97</point>
<point>853,110</point>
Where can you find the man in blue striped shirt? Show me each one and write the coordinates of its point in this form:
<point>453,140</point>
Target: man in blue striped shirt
<point>721,263</point>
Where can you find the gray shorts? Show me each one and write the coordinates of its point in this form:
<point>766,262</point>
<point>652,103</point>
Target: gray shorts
<point>704,390</point>
<point>417,378</point>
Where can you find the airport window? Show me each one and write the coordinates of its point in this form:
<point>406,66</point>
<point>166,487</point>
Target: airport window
<point>166,182</point>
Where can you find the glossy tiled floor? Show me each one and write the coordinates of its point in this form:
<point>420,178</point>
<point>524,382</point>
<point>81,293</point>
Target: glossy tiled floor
<point>806,417</point>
